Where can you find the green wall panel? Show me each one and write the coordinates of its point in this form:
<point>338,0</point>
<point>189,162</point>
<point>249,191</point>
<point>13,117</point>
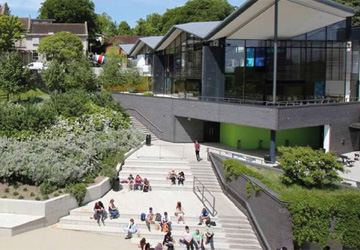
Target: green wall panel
<point>250,136</point>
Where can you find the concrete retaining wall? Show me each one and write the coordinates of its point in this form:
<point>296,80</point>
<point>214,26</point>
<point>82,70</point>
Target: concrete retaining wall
<point>54,208</point>
<point>270,217</point>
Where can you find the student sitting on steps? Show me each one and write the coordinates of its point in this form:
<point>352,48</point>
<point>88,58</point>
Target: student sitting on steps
<point>165,223</point>
<point>181,178</point>
<point>172,176</point>
<point>130,229</point>
<point>131,182</point>
<point>168,241</point>
<point>204,216</point>
<point>138,182</point>
<point>188,239</point>
<point>179,212</point>
<point>146,185</point>
<point>150,218</point>
<point>113,210</point>
<point>143,245</point>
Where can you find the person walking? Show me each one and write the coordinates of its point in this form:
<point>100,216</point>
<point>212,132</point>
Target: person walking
<point>197,150</point>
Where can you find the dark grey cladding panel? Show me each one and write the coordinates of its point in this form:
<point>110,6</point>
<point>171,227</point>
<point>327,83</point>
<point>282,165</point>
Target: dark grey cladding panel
<point>310,116</point>
<point>255,116</point>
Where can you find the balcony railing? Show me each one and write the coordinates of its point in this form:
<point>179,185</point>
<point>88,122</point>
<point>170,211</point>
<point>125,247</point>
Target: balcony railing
<point>191,96</point>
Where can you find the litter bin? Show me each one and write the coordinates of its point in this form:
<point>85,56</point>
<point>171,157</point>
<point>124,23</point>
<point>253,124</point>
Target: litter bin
<point>148,140</point>
<point>239,144</point>
<point>116,184</point>
<point>267,158</point>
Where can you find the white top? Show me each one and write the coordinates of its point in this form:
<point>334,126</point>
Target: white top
<point>187,236</point>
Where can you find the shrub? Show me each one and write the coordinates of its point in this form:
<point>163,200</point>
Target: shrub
<point>7,190</point>
<point>46,197</point>
<point>70,104</point>
<point>32,194</point>
<point>38,198</point>
<point>16,186</point>
<point>15,193</point>
<point>148,94</point>
<point>104,99</point>
<point>21,197</point>
<point>308,167</point>
<point>78,191</point>
<point>25,189</point>
<point>47,188</point>
<point>4,197</point>
<point>56,194</point>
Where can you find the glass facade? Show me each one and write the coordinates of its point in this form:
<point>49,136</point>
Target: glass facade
<point>311,66</point>
<point>183,62</point>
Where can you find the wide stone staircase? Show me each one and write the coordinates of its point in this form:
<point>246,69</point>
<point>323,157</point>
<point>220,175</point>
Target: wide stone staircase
<point>140,127</point>
<point>232,230</point>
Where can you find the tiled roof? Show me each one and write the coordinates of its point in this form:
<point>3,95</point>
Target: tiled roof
<point>123,40</point>
<point>25,22</point>
<point>46,28</point>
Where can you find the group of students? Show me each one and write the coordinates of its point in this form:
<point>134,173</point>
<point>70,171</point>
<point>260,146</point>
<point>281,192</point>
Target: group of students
<point>138,183</point>
<point>100,212</point>
<point>172,176</point>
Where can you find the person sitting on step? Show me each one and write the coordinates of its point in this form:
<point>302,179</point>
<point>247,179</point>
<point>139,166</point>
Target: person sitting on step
<point>168,241</point>
<point>165,223</point>
<point>188,239</point>
<point>172,176</point>
<point>131,182</point>
<point>179,212</point>
<point>204,216</point>
<point>143,245</point>
<point>146,185</point>
<point>138,182</point>
<point>113,210</point>
<point>130,229</point>
<point>198,240</point>
<point>99,212</point>
<point>149,218</point>
<point>181,178</point>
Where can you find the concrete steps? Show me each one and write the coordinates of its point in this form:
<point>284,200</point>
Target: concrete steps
<point>140,127</point>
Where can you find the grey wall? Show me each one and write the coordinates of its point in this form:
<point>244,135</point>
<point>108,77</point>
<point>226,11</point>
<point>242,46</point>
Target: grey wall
<point>213,77</point>
<point>270,217</point>
<point>158,73</point>
<point>162,112</point>
<point>338,116</point>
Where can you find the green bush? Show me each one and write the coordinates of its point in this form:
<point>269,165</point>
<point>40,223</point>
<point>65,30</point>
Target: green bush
<point>308,167</point>
<point>47,188</point>
<point>15,193</point>
<point>71,104</point>
<point>25,189</point>
<point>56,194</point>
<point>21,197</point>
<point>32,194</point>
<point>313,209</point>
<point>4,197</point>
<point>7,190</point>
<point>104,99</point>
<point>148,94</point>
<point>77,190</point>
<point>38,198</point>
<point>108,165</point>
<point>16,186</point>
<point>46,197</point>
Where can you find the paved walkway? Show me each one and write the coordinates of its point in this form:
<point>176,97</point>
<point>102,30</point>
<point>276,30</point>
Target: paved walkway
<point>55,239</point>
<point>352,173</point>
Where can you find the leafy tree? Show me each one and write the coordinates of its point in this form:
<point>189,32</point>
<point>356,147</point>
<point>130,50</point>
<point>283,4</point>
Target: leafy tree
<point>124,29</point>
<point>308,167</point>
<point>14,79</point>
<point>105,25</point>
<point>196,11</point>
<point>354,4</point>
<point>111,72</point>
<point>63,47</point>
<point>70,11</point>
<point>67,76</point>
<point>10,31</point>
<point>151,26</point>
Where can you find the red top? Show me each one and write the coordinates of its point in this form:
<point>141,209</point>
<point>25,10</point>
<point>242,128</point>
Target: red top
<point>197,146</point>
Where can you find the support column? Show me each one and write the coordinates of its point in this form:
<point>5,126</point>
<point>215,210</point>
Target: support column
<point>158,72</point>
<point>276,7</point>
<point>326,143</point>
<point>272,146</point>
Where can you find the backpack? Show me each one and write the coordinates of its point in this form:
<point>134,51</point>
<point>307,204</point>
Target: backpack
<point>158,217</point>
<point>142,216</point>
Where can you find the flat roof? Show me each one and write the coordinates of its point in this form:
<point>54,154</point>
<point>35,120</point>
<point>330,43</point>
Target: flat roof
<point>255,19</point>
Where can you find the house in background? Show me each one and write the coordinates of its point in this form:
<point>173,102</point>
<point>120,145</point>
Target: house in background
<point>118,40</point>
<point>37,29</point>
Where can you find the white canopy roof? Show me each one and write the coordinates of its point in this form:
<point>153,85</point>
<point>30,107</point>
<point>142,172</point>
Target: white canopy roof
<point>255,19</point>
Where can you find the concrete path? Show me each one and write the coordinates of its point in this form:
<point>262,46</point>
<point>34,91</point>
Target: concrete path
<point>55,239</point>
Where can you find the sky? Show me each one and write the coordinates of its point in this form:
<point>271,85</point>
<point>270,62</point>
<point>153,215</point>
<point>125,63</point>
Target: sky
<point>119,10</point>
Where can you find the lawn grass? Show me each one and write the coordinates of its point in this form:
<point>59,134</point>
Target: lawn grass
<point>32,93</point>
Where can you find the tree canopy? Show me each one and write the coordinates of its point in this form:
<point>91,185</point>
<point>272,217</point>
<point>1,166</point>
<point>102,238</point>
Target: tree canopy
<point>70,11</point>
<point>14,79</point>
<point>106,26</point>
<point>124,29</point>
<point>10,31</point>
<point>356,5</point>
<point>62,46</point>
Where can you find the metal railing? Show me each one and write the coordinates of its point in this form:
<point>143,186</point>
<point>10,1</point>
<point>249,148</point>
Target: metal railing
<point>320,101</point>
<point>205,196</point>
<point>146,119</point>
<point>162,152</point>
<point>238,156</point>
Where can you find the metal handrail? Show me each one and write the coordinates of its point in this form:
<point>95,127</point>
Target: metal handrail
<point>139,113</point>
<point>160,154</point>
<point>238,156</point>
<point>201,189</point>
<point>332,100</point>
